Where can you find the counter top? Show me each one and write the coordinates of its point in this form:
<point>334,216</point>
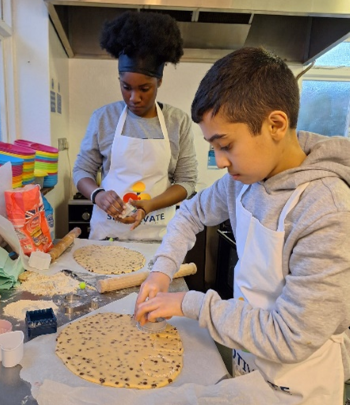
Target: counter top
<point>15,391</point>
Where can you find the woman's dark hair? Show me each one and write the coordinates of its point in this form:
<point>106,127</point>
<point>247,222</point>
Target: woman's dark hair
<point>138,34</point>
<point>245,86</point>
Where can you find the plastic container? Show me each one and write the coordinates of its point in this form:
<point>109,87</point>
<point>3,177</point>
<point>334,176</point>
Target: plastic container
<point>11,348</point>
<point>39,176</point>
<point>5,326</point>
<point>40,322</point>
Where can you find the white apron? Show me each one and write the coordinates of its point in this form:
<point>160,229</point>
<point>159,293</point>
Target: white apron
<point>139,167</point>
<point>259,280</point>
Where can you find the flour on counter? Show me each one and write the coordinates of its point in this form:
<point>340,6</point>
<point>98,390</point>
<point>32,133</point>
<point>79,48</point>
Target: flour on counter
<point>40,284</point>
<point>18,309</point>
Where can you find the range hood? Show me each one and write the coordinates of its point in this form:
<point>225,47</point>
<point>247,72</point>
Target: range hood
<point>299,32</point>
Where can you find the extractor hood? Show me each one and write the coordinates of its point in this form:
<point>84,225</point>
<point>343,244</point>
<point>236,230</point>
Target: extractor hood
<point>299,32</point>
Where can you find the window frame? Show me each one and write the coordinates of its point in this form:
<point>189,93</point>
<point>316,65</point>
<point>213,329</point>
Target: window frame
<point>328,74</point>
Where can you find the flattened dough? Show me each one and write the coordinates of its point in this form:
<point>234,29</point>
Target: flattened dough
<point>109,259</point>
<point>109,349</point>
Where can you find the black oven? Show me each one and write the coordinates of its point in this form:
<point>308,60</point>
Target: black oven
<point>226,261</point>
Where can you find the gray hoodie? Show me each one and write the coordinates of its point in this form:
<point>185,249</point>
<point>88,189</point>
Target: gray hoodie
<point>315,301</point>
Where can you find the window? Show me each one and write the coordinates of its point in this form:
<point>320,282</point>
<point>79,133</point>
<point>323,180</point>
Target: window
<point>325,107</point>
<point>325,94</point>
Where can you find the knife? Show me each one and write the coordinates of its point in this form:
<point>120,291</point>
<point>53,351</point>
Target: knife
<point>74,275</point>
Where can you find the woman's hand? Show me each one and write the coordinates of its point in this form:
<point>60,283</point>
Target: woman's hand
<point>110,202</point>
<point>143,208</point>
<point>163,305</point>
<point>156,282</point>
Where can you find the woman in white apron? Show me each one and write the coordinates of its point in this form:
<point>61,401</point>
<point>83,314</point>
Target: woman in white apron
<point>132,141</point>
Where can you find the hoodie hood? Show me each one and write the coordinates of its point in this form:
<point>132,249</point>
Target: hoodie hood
<point>326,157</point>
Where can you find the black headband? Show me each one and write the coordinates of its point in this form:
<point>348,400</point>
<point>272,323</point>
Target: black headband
<point>146,66</point>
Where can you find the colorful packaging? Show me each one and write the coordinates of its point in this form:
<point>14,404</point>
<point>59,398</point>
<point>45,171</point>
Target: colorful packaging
<point>49,217</point>
<point>25,209</point>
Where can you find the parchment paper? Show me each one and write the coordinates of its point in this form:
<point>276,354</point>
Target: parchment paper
<point>250,389</point>
<point>8,233</point>
<point>66,261</point>
<point>203,364</point>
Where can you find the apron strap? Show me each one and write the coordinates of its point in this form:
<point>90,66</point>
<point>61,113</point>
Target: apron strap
<point>291,203</point>
<point>243,190</point>
<point>162,122</point>
<point>160,114</point>
<point>121,121</point>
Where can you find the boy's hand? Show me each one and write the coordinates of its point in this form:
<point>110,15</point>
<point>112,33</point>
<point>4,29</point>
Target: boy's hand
<point>164,305</point>
<point>156,282</point>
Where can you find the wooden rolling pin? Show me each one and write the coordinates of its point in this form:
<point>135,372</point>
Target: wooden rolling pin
<point>134,279</point>
<point>64,243</point>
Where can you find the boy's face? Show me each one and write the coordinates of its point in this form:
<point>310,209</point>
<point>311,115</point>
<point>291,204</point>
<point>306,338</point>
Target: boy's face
<point>248,158</point>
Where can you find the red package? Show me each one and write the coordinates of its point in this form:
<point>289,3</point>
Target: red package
<point>25,209</point>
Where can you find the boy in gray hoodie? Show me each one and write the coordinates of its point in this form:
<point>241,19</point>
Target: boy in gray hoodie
<point>287,197</point>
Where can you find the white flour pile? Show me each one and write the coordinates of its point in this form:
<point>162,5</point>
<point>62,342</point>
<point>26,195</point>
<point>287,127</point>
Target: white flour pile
<point>39,284</point>
<point>18,309</point>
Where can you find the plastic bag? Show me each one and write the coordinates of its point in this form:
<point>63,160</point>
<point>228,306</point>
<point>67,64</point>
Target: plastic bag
<point>9,270</point>
<point>25,209</point>
<point>49,217</point>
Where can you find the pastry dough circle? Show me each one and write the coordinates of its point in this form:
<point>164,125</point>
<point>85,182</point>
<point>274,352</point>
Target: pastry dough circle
<point>108,349</point>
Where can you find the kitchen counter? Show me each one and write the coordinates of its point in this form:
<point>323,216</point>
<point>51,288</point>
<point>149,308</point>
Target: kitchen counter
<point>15,391</point>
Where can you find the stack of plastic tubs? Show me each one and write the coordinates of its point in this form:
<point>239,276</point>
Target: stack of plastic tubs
<point>46,160</point>
<point>17,169</point>
<point>27,155</point>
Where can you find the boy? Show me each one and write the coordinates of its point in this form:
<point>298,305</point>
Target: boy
<point>288,200</point>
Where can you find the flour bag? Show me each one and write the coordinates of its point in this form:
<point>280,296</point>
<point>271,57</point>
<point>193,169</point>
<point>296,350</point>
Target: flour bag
<point>25,209</point>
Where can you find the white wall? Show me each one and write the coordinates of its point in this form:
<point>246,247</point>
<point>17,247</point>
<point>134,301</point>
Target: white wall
<point>38,58</point>
<point>31,49</point>
<point>59,128</point>
<point>94,83</point>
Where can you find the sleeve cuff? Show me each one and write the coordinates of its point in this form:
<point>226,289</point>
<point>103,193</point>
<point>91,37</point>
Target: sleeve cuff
<point>189,189</point>
<point>166,266</point>
<point>77,176</point>
<point>192,304</point>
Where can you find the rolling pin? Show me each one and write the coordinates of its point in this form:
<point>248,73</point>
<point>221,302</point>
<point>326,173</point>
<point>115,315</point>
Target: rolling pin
<point>134,279</point>
<point>64,244</point>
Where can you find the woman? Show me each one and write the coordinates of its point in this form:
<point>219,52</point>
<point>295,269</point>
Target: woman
<point>144,148</point>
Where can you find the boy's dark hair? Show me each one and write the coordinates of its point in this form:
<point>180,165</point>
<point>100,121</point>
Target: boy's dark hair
<point>138,34</point>
<point>245,86</point>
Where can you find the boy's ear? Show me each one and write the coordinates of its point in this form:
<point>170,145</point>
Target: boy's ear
<point>278,124</point>
<point>159,82</point>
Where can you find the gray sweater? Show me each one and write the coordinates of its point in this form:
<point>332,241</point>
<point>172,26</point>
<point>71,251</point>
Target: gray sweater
<point>315,301</point>
<point>95,149</point>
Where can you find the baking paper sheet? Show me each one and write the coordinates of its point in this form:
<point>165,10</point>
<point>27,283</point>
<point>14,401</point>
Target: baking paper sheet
<point>203,364</point>
<point>250,389</point>
<point>66,261</point>
<point>8,233</point>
